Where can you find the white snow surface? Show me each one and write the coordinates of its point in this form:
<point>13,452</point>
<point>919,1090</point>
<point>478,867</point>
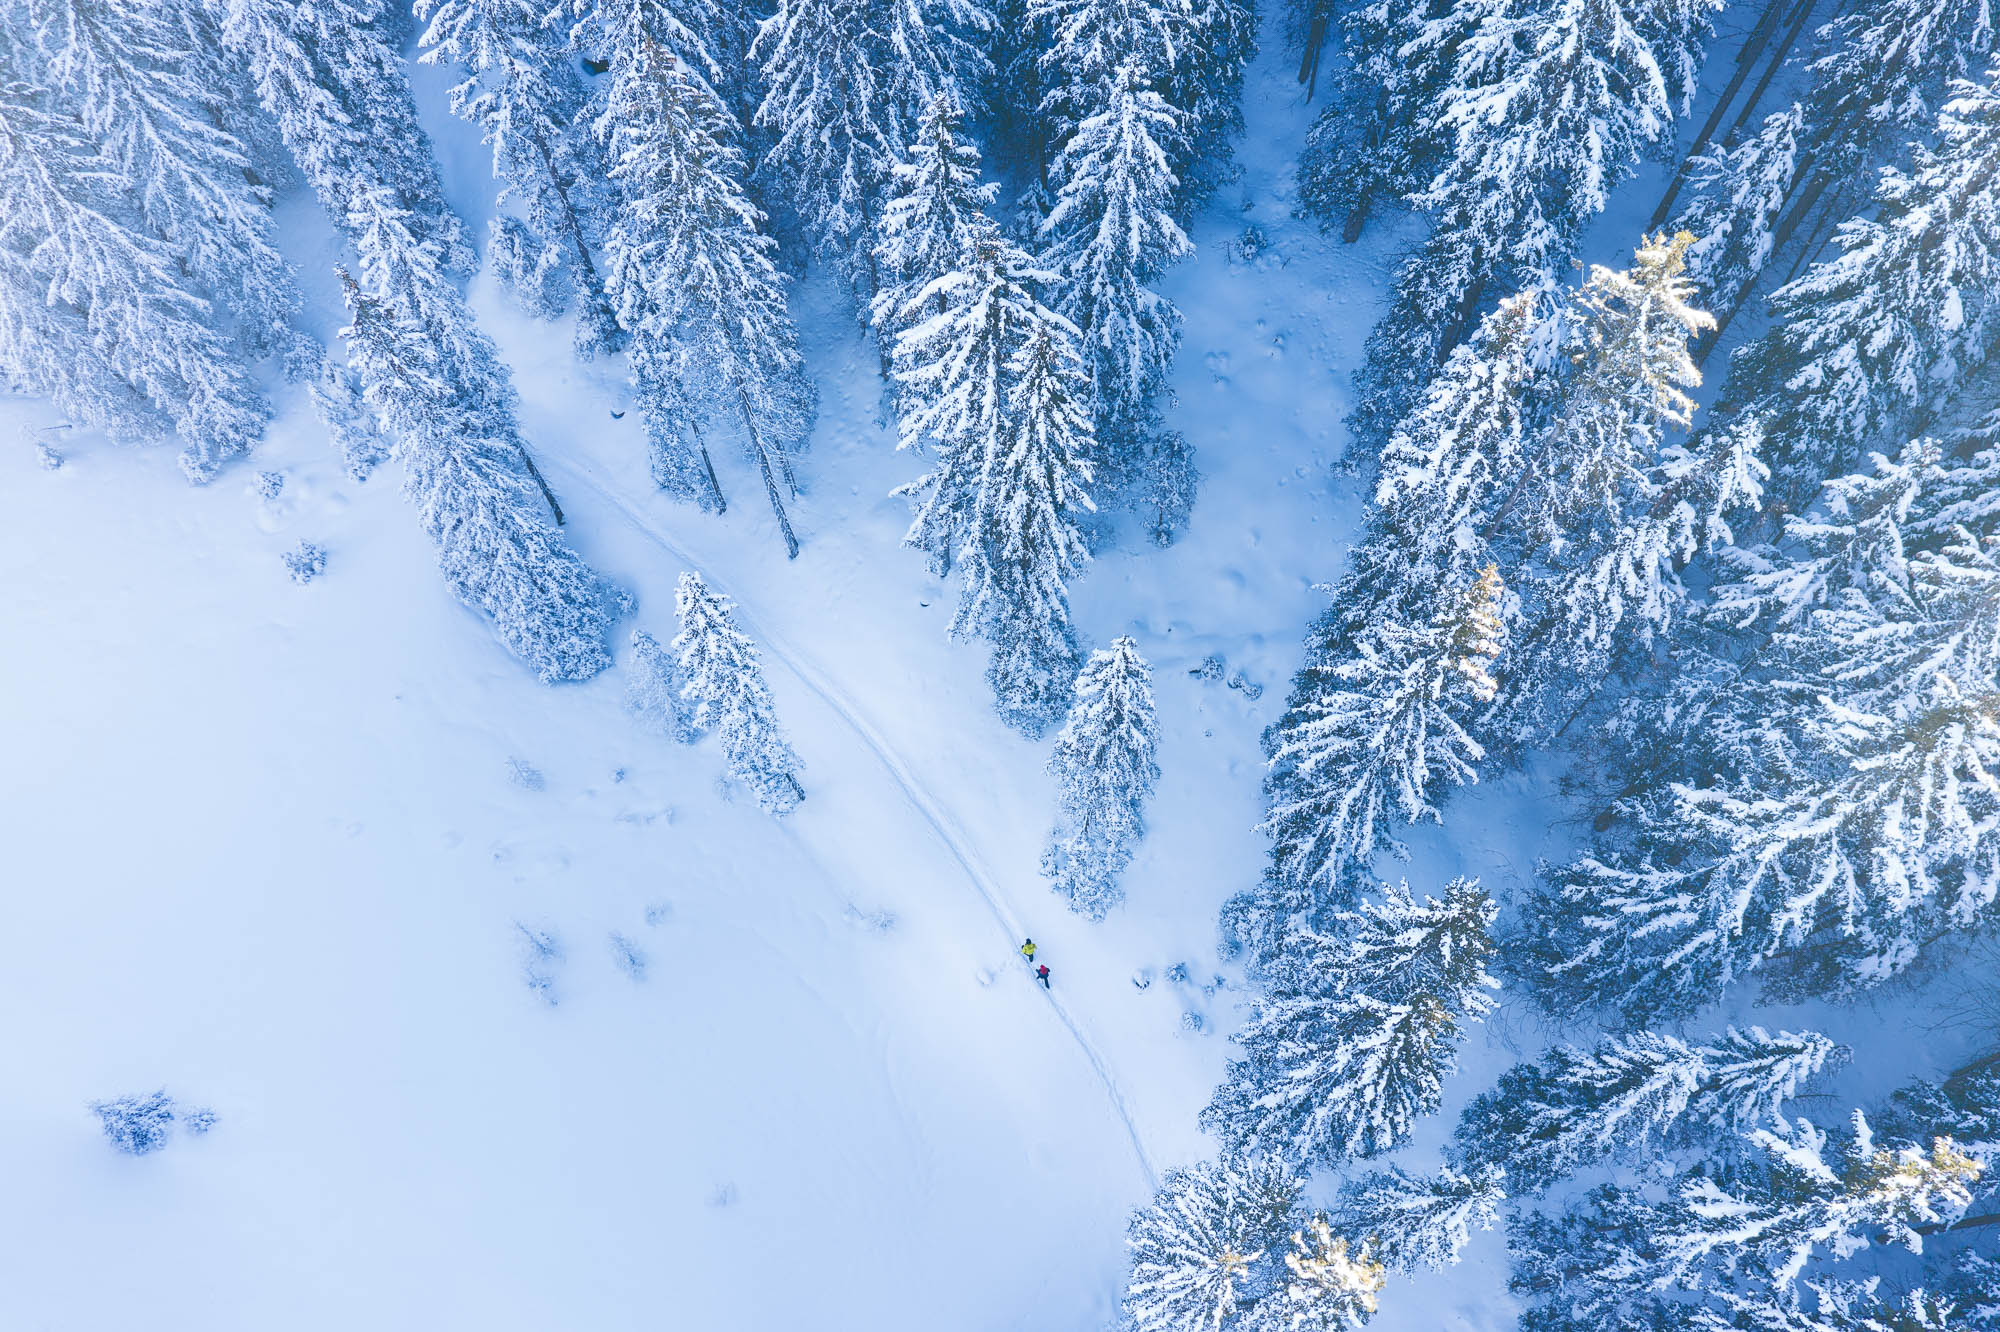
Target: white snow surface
<point>277,848</point>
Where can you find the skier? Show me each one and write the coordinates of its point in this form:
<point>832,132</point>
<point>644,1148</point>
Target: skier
<point>1028,950</point>
<point>1042,975</point>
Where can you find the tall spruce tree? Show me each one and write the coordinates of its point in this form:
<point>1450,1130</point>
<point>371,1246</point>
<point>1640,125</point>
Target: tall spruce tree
<point>1865,344</point>
<point>1104,770</point>
<point>162,105</point>
<point>723,690</point>
<point>526,98</point>
<point>993,386</point>
<point>1629,1093</point>
<point>94,307</point>
<point>1548,106</point>
<point>1111,232</point>
<point>1357,1031</point>
<point>1383,730</point>
<point>936,205</point>
<point>690,273</point>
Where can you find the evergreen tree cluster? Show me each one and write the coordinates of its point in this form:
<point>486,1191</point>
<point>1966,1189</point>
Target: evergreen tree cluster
<point>1762,638</point>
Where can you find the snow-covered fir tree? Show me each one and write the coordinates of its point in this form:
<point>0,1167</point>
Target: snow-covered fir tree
<point>935,207</point>
<point>994,386</point>
<point>154,88</point>
<point>1739,200</point>
<point>329,75</point>
<point>526,97</point>
<point>1818,1195</point>
<point>1104,770</point>
<point>1885,71</point>
<point>833,134</point>
<point>94,308</point>
<point>1357,1030</point>
<point>1609,511</point>
<point>1205,86</point>
<point>722,686</point>
<point>845,85</point>
<point>653,690</point>
<point>1110,233</point>
<point>1210,1244</point>
<point>1413,1222</point>
<point>691,275</point>
<point>1631,1093</point>
<point>1083,44</point>
<point>436,385</point>
<point>1865,344</point>
<point>1445,470</point>
<point>1549,105</point>
<point>1832,816</point>
<point>1376,142</point>
<point>1381,732</point>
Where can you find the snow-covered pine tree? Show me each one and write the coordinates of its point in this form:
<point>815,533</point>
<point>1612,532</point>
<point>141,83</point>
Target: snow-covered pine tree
<point>163,111</point>
<point>690,273</point>
<point>1579,1107</point>
<point>1419,1221</point>
<point>1886,68</point>
<point>1843,825</point>
<point>1206,87</point>
<point>337,401</point>
<point>1548,107</point>
<point>526,96</point>
<point>1739,197</point>
<point>1110,233</point>
<point>993,383</point>
<point>1865,344</point>
<point>437,386</point>
<point>1357,1031</point>
<point>845,85</point>
<point>1104,770</point>
<point>653,690</point>
<point>328,74</point>
<point>1817,1194</point>
<point>1608,512</point>
<point>94,308</point>
<point>1376,141</point>
<point>1211,1243</point>
<point>1086,41</point>
<point>723,686</point>
<point>1445,469</point>
<point>1384,729</point>
<point>1025,543</point>
<point>936,205</point>
<point>1329,1285</point>
<point>833,134</point>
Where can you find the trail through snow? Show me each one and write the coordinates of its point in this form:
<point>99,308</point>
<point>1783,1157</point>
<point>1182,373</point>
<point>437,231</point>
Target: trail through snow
<point>940,821</point>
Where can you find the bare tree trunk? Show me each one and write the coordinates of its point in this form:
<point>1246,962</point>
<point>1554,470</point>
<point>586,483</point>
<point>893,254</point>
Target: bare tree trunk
<point>528,461</point>
<point>763,453</point>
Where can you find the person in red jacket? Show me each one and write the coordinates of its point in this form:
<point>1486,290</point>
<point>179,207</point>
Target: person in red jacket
<point>1042,975</point>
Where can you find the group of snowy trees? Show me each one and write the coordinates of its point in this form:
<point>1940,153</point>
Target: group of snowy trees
<point>1766,637</point>
<point>637,145</point>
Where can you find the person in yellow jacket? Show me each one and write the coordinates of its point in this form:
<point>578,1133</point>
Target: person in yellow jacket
<point>1028,950</point>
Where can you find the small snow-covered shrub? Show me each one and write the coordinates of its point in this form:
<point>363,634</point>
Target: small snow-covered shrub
<point>49,458</point>
<point>137,1125</point>
<point>270,485</point>
<point>306,562</point>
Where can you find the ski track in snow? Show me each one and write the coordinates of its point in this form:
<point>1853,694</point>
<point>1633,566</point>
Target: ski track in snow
<point>941,823</point>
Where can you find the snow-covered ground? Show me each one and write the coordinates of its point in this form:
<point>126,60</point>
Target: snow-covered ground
<point>281,849</point>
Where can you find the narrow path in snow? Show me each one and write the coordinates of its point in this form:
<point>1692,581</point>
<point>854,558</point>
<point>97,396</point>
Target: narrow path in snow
<point>940,821</point>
